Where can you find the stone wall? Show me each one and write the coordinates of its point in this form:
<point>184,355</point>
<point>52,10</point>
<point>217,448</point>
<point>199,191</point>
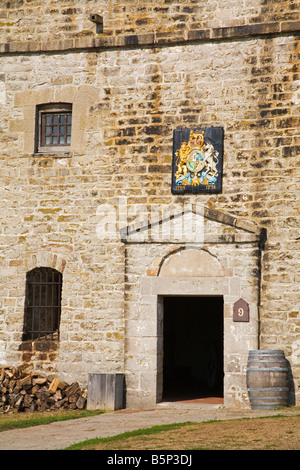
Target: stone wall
<point>234,66</point>
<point>39,19</point>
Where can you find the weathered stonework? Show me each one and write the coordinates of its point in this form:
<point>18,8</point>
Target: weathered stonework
<point>157,66</point>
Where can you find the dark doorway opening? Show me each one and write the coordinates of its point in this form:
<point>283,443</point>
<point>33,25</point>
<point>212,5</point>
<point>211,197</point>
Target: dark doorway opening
<point>193,349</point>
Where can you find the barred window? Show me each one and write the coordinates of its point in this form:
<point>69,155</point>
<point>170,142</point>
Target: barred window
<point>55,125</point>
<point>42,304</point>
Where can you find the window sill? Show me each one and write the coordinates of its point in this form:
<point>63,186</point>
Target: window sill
<point>53,153</point>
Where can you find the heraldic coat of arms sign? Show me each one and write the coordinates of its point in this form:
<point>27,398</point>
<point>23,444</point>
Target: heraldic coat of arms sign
<point>197,160</point>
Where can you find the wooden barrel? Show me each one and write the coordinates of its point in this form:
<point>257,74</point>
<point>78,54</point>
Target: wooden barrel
<point>267,379</point>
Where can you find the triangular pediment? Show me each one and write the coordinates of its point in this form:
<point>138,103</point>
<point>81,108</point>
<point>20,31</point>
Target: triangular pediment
<point>191,225</point>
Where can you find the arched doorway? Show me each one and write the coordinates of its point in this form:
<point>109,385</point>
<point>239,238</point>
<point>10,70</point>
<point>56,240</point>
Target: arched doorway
<point>207,278</point>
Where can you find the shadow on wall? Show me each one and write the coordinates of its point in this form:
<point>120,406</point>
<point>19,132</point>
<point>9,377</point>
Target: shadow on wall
<point>291,385</point>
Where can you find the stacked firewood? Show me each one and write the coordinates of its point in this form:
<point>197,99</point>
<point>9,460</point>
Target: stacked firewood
<point>25,390</point>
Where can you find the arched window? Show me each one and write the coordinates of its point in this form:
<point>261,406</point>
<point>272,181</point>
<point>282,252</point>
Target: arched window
<point>42,304</point>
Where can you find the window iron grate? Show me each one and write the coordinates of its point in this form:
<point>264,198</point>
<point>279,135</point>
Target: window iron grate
<point>42,304</point>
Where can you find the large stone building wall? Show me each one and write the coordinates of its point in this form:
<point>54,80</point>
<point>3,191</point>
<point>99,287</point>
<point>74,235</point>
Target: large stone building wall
<point>24,20</point>
<point>157,66</point>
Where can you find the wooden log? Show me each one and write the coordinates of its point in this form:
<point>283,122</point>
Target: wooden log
<point>54,384</point>
<point>39,381</point>
<point>23,390</point>
<point>72,389</point>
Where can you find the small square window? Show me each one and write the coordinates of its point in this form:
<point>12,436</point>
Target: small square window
<point>54,127</point>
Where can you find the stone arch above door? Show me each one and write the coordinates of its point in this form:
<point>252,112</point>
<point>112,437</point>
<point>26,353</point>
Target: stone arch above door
<point>190,263</point>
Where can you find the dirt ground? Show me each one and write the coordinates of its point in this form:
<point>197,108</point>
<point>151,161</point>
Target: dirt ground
<point>279,433</point>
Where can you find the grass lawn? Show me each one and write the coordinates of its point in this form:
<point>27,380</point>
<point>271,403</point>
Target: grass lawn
<point>26,420</point>
<point>270,433</point>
